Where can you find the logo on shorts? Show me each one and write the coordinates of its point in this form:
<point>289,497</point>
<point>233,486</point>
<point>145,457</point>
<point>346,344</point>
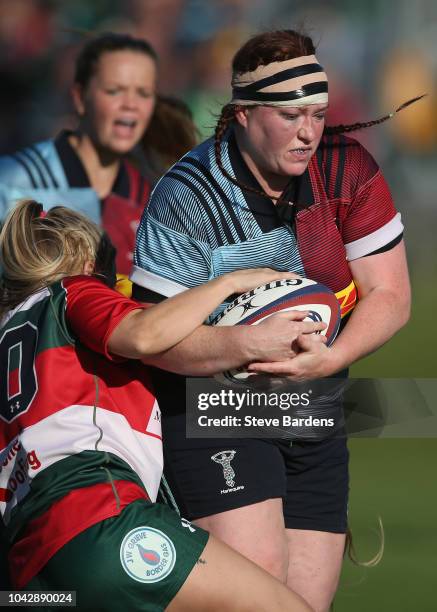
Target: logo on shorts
<point>147,554</point>
<point>188,525</point>
<point>224,458</point>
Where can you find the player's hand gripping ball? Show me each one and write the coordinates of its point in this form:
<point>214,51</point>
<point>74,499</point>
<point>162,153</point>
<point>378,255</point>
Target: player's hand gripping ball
<point>256,305</point>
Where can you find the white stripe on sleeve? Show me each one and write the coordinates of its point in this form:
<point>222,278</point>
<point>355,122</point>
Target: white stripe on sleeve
<point>376,240</point>
<point>156,283</point>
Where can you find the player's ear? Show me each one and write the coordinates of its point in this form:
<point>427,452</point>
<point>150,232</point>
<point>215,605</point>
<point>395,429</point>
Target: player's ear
<point>88,267</point>
<point>77,95</point>
<point>241,115</point>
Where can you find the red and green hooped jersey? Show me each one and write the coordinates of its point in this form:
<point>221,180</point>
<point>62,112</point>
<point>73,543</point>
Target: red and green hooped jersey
<point>71,415</point>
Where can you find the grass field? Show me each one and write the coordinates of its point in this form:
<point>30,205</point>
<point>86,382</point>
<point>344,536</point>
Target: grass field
<point>396,479</point>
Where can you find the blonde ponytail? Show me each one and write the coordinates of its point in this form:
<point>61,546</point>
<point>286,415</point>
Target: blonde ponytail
<point>37,250</point>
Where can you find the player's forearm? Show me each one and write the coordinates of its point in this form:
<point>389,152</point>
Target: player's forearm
<point>155,330</point>
<point>375,319</point>
<point>208,350</point>
<point>151,331</point>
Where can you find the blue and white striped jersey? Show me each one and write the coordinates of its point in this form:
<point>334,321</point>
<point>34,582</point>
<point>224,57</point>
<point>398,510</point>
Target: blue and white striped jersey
<point>198,226</point>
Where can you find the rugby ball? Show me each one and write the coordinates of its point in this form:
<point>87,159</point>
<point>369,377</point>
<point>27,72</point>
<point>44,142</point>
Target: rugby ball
<point>256,305</point>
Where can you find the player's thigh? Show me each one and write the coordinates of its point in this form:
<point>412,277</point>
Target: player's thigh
<point>256,531</point>
<point>224,580</point>
<point>315,514</point>
<point>234,489</point>
<point>314,565</point>
<point>318,554</point>
<point>209,476</point>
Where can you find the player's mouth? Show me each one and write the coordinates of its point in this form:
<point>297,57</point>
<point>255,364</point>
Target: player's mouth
<point>125,127</point>
<point>301,152</point>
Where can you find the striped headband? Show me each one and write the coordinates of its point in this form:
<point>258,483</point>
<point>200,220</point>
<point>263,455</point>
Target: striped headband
<point>294,82</point>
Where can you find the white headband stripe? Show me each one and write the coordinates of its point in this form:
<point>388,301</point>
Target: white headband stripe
<point>245,78</point>
<point>295,82</point>
<point>321,98</point>
<point>285,76</point>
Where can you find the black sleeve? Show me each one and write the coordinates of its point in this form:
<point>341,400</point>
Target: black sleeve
<point>140,294</point>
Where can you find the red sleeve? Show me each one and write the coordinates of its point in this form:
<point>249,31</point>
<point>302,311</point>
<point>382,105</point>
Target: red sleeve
<point>93,311</point>
<point>371,221</point>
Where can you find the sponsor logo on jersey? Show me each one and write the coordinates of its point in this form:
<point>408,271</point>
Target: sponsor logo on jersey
<point>347,298</point>
<point>147,554</point>
<point>15,467</point>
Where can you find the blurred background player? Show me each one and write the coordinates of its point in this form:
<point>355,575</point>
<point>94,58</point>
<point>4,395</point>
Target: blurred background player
<point>274,188</point>
<point>115,99</point>
<point>82,461</point>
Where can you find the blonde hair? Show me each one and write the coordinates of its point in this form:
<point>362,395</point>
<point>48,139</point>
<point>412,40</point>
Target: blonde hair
<point>37,250</point>
<point>349,548</point>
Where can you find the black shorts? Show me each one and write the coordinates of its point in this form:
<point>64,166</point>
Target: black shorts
<point>208,476</point>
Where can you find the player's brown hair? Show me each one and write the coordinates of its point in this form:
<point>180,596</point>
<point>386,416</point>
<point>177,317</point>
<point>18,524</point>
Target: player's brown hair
<point>107,42</point>
<point>171,133</point>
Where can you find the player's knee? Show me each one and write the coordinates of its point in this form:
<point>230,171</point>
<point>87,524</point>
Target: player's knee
<point>273,559</point>
<point>316,587</point>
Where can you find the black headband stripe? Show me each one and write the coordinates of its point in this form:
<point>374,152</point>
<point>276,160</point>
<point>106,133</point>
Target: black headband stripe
<point>285,75</point>
<point>241,93</point>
